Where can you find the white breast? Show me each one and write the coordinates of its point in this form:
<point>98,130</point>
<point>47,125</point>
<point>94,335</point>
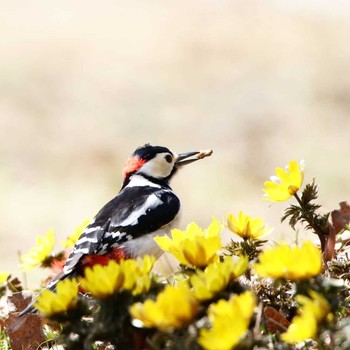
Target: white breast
<point>146,245</point>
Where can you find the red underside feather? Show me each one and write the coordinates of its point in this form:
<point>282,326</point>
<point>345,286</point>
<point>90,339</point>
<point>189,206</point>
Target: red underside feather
<point>116,254</point>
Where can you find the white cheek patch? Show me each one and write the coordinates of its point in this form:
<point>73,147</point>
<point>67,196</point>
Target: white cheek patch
<point>158,167</point>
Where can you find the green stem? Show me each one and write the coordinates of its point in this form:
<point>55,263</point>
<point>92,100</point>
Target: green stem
<point>298,199</point>
<point>310,220</point>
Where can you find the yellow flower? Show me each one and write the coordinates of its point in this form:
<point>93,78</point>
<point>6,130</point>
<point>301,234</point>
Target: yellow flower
<point>292,263</point>
<point>216,276</point>
<point>65,298</point>
<point>173,308</point>
<point>194,246</point>
<point>104,281</point>
<point>3,277</point>
<point>230,320</point>
<point>247,227</point>
<point>137,274</point>
<point>285,184</point>
<point>71,240</point>
<point>304,326</point>
<point>39,253</point>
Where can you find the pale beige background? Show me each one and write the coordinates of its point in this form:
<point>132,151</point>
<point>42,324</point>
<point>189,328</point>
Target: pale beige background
<point>82,83</point>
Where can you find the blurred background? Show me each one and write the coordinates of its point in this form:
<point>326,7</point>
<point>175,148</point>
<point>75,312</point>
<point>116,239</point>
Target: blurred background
<point>83,83</point>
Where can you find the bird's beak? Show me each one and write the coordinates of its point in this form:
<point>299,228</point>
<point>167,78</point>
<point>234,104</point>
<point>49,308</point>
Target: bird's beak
<point>182,158</point>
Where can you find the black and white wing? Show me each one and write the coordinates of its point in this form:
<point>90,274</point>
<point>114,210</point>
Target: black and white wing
<point>136,211</point>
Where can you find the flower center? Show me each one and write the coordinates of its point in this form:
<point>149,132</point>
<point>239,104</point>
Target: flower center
<point>292,189</point>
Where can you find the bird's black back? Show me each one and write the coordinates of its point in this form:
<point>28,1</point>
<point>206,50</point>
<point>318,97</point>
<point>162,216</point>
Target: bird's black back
<point>128,215</point>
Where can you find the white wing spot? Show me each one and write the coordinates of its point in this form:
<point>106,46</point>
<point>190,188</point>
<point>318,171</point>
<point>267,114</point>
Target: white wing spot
<point>92,229</point>
<point>152,202</point>
<point>86,239</point>
<point>81,251</point>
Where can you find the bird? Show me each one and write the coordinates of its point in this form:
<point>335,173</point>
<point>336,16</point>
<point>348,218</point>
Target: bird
<point>125,227</point>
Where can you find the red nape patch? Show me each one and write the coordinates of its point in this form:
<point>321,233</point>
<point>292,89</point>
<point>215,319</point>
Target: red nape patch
<point>116,254</point>
<point>133,164</point>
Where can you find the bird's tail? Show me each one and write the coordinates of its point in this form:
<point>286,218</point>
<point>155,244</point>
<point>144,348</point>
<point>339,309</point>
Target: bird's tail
<point>51,286</point>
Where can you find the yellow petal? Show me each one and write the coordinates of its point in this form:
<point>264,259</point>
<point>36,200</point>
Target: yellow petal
<point>193,246</point>
<point>173,308</point>
<point>247,227</point>
<point>288,183</point>
<point>230,320</point>
<point>3,277</point>
<point>71,240</point>
<point>288,262</point>
<point>41,251</point>
<point>51,303</point>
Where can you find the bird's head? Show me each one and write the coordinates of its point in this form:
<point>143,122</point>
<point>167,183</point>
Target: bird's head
<point>158,162</point>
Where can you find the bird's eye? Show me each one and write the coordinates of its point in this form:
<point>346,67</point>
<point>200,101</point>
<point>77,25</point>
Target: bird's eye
<point>168,158</point>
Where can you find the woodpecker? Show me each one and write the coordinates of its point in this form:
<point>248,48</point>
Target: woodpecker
<point>144,208</point>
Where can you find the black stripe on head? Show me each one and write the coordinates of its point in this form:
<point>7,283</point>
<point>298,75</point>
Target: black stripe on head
<point>148,152</point>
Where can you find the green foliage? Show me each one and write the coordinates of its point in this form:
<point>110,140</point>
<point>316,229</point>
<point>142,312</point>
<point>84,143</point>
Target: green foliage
<point>249,247</point>
<point>305,211</point>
